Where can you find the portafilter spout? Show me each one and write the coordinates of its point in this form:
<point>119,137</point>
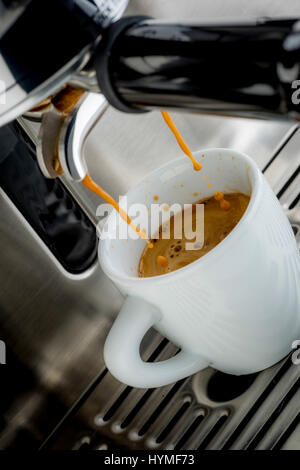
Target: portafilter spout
<point>74,132</point>
<point>64,131</point>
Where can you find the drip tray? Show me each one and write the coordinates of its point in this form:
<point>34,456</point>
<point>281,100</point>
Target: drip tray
<point>210,410</point>
<point>207,411</point>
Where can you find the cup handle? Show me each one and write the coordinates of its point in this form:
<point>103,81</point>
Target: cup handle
<point>122,350</point>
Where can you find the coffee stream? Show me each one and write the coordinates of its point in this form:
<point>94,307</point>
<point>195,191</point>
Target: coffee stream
<point>169,121</point>
<point>88,182</point>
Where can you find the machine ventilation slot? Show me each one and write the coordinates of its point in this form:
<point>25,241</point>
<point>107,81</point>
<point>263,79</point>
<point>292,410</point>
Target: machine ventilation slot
<point>213,432</point>
<point>295,202</point>
<point>160,408</point>
<point>284,368</point>
<point>165,432</point>
<point>274,416</point>
<point>288,183</point>
<point>189,432</point>
<point>281,147</point>
<point>158,350</point>
<point>289,431</point>
<point>137,408</point>
<point>116,405</point>
<point>112,410</point>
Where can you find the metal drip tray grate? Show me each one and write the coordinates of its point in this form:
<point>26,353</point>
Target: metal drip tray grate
<point>183,416</point>
<point>210,410</point>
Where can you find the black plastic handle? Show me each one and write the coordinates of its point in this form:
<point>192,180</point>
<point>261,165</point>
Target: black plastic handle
<point>234,68</point>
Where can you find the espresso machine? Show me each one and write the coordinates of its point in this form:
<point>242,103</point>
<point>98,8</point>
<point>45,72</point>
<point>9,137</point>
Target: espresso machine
<point>77,81</point>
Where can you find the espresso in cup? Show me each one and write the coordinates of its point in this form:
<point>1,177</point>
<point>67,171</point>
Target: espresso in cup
<point>167,255</point>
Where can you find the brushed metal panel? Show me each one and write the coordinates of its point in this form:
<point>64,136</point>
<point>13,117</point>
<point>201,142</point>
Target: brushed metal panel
<point>54,322</point>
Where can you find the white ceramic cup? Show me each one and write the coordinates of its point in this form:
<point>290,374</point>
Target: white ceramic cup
<point>236,309</point>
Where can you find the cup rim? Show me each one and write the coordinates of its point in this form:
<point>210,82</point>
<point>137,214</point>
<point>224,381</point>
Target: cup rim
<point>256,188</point>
